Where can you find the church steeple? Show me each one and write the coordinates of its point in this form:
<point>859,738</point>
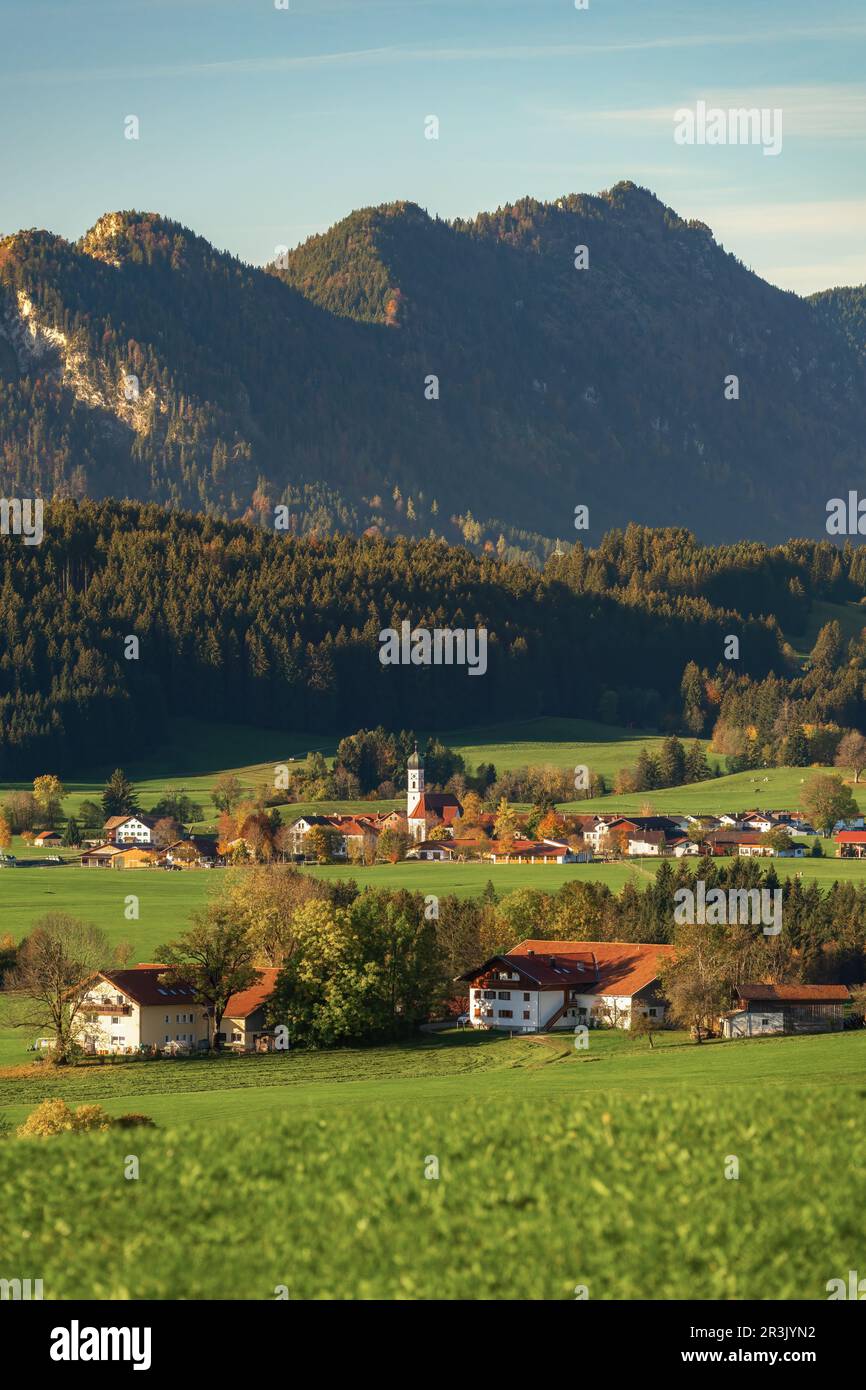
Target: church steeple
<point>414,781</point>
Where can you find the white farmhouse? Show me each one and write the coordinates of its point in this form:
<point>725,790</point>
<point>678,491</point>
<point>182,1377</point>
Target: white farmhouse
<point>129,830</point>
<point>543,985</point>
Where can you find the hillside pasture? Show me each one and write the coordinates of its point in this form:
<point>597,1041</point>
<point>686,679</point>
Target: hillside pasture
<point>439,1172</point>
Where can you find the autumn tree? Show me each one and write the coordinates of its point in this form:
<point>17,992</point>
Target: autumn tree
<point>322,843</point>
<point>215,957</point>
<point>392,845</point>
<point>48,795</point>
<point>227,792</point>
<point>505,824</point>
<point>696,981</point>
<point>165,832</point>
<point>55,967</point>
<point>852,753</point>
<point>264,900</point>
<point>827,800</point>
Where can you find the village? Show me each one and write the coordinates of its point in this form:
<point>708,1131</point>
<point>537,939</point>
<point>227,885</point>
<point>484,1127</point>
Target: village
<point>537,986</point>
<point>433,828</point>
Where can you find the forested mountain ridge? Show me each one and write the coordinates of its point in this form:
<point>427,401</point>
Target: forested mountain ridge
<point>305,383</point>
<point>258,628</point>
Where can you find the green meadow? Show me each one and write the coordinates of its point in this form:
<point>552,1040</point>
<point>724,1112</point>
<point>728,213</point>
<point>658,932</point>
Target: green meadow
<point>458,1167</point>
<point>198,752</point>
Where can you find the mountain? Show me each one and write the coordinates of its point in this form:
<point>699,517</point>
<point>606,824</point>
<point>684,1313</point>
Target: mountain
<point>307,382</point>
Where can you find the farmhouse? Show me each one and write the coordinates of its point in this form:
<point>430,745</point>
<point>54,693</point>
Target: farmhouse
<point>127,1010</point>
<point>124,830</point>
<point>529,852</point>
<point>850,844</point>
<point>46,838</point>
<point>748,843</point>
<point>198,852</point>
<point>98,858</point>
<point>357,835</point>
<point>784,1009</point>
<point>118,857</point>
<point>543,985</point>
<point>433,849</point>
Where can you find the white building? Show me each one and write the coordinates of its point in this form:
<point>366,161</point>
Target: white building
<point>125,1010</point>
<point>425,810</point>
<point>543,985</point>
<point>129,830</point>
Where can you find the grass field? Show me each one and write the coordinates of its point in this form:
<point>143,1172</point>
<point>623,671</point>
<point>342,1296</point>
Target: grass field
<point>198,752</point>
<point>166,901</point>
<point>557,1169</point>
<point>774,788</point>
<point>851,618</point>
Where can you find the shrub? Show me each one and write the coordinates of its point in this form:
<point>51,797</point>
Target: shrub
<point>133,1119</point>
<point>55,1117</point>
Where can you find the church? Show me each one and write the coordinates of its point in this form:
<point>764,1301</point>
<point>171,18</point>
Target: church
<point>427,810</point>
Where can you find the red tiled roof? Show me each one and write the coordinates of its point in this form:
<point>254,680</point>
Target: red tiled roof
<point>804,994</point>
<point>851,837</point>
<point>624,967</point>
<point>246,1001</point>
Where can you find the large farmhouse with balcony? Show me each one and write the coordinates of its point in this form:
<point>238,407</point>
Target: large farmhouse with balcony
<point>129,830</point>
<point>126,1010</point>
<point>785,1009</point>
<point>131,1010</point>
<point>543,985</point>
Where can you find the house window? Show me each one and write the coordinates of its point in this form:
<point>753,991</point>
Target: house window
<point>115,1020</point>
<point>764,1022</point>
<point>490,994</point>
<point>505,1013</point>
<point>652,1012</point>
<point>168,1020</point>
<point>237,1037</point>
<point>504,994</point>
<point>526,998</point>
<point>526,1013</point>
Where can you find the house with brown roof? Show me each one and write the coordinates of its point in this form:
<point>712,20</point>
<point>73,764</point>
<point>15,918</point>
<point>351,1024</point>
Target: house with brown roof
<point>762,1008</point>
<point>243,1025</point>
<point>539,986</point>
<point>126,830</point>
<point>129,1010</point>
<point>745,843</point>
<point>46,838</point>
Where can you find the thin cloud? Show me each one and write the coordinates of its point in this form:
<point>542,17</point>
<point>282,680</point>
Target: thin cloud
<point>396,54</point>
<point>837,111</point>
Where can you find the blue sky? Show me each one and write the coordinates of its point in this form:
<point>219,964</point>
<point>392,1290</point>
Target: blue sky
<point>261,126</point>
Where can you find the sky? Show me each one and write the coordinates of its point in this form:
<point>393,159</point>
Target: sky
<point>260,126</point>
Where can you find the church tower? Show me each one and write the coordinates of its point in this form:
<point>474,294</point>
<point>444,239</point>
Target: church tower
<point>415,779</point>
<point>417,824</point>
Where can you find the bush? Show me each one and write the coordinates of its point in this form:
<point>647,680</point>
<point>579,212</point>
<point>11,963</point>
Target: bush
<point>55,1117</point>
<point>132,1119</point>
